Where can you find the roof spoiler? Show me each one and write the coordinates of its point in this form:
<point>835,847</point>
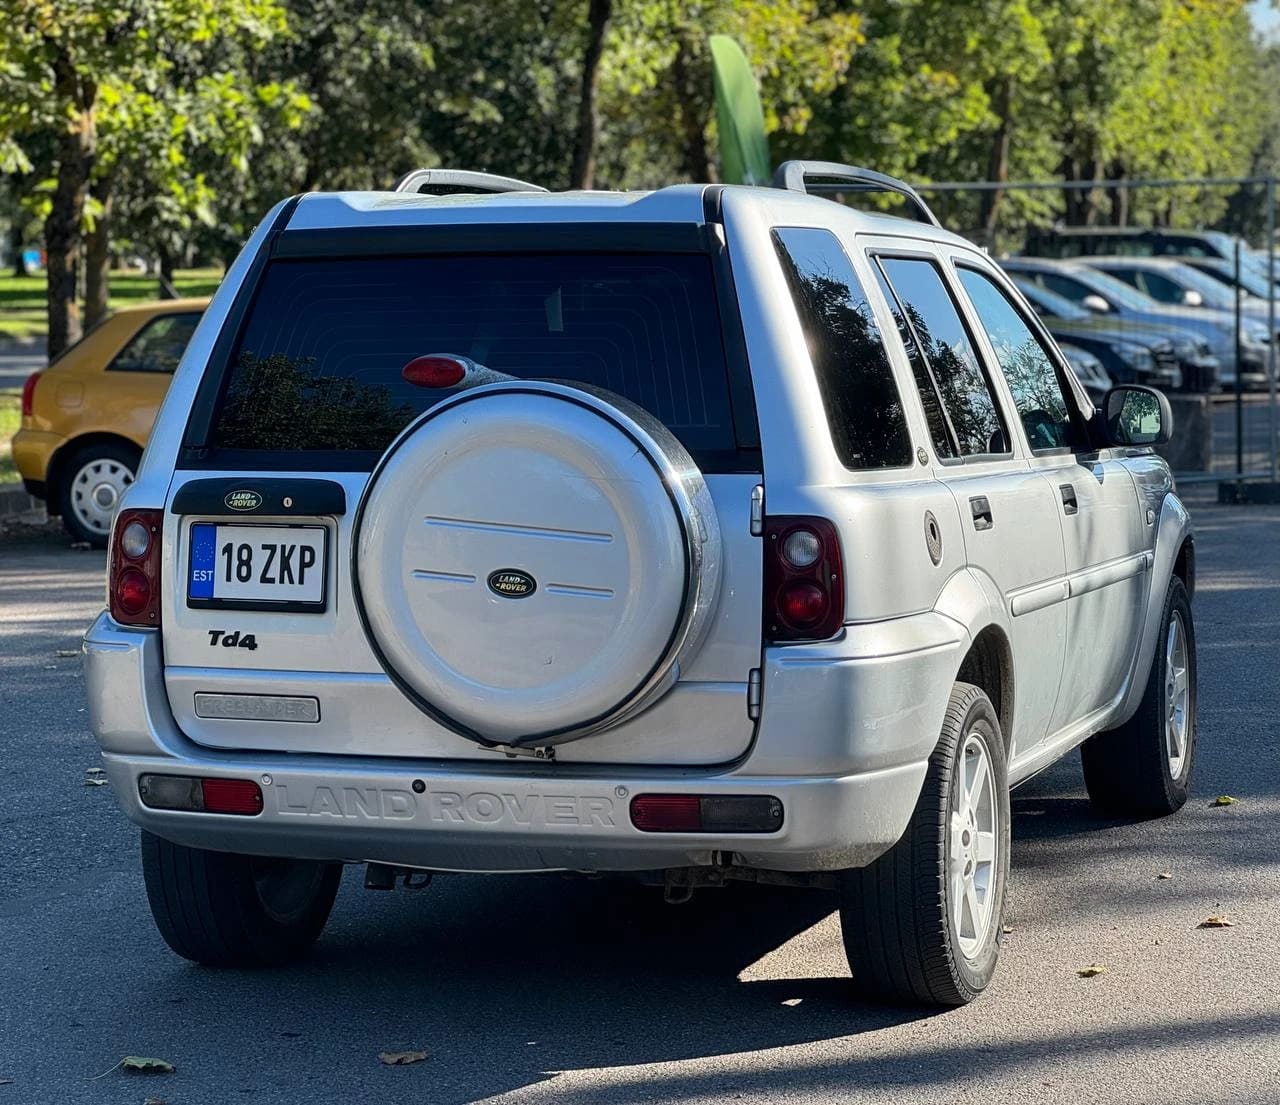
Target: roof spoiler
<point>818,178</point>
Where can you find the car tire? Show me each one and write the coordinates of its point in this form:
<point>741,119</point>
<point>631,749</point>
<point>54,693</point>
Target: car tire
<point>922,924</point>
<point>227,910</point>
<point>1143,767</point>
<point>92,480</point>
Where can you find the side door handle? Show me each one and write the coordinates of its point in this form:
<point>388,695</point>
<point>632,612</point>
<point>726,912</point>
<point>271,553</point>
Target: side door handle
<point>1068,493</point>
<point>980,508</point>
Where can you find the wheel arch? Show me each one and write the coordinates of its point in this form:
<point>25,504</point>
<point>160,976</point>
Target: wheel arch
<point>989,665</point>
<point>57,469</point>
<point>972,598</point>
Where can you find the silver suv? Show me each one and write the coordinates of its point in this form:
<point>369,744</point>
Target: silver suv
<point>704,534</point>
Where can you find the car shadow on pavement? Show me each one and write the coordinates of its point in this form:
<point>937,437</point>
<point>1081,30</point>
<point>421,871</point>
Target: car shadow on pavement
<point>507,980</point>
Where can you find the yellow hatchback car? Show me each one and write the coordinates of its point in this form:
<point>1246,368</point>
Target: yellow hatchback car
<point>87,417</point>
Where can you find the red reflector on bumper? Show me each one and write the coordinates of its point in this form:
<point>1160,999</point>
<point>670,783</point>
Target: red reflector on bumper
<point>666,813</point>
<point>241,796</point>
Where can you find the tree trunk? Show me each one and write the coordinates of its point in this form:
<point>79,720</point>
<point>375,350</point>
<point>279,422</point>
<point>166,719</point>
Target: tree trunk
<point>998,159</point>
<point>583,173</point>
<point>62,236</point>
<point>1119,199</point>
<point>97,259</point>
<point>167,290</point>
<point>17,261</point>
<point>694,110</point>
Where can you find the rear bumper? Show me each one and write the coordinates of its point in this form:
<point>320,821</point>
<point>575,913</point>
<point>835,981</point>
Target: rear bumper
<point>32,451</point>
<point>847,785</point>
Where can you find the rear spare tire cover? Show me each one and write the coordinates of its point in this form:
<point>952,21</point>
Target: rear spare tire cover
<point>534,561</point>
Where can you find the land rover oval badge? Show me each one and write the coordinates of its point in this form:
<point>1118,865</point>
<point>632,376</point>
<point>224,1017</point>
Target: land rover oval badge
<point>511,583</point>
<point>243,500</point>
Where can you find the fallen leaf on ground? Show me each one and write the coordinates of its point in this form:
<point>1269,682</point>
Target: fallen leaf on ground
<point>1216,921</point>
<point>142,1064</point>
<point>1091,970</point>
<point>1006,929</point>
<point>1164,875</point>
<point>95,781</point>
<point>1223,800</point>
<point>400,1058</point>
<point>6,1081</point>
<point>93,771</point>
<point>67,653</point>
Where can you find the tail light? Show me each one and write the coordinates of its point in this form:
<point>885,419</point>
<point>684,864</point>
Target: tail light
<point>803,579</point>
<point>29,394</point>
<point>133,581</point>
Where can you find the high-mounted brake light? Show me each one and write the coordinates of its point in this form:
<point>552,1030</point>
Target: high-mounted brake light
<point>803,579</point>
<point>435,370</point>
<point>133,580</point>
<point>29,394</point>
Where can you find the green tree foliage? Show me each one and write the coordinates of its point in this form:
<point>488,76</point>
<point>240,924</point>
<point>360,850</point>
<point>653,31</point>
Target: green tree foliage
<point>122,83</point>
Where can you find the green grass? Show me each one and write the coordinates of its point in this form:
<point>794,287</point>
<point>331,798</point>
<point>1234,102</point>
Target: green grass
<point>22,298</point>
<point>10,419</point>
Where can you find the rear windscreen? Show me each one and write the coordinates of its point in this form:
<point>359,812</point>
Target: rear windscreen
<point>318,366</point>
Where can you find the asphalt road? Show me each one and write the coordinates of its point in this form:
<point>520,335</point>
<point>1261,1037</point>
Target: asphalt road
<point>546,990</point>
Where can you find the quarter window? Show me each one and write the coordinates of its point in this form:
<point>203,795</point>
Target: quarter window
<point>1026,364</point>
<point>158,346</point>
<point>947,350</point>
<point>864,409</point>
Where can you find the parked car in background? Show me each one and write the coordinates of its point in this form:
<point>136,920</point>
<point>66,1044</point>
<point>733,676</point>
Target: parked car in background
<point>87,417</point>
<point>1103,294</point>
<point>1130,352</point>
<point>1252,281</point>
<point>1172,281</point>
<point>1089,371</point>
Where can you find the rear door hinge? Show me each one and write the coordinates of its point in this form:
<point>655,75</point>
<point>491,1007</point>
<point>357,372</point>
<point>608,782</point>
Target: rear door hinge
<point>753,694</point>
<point>757,510</point>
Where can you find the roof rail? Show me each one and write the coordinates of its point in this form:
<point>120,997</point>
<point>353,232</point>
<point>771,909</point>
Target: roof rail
<point>824,177</point>
<point>448,182</point>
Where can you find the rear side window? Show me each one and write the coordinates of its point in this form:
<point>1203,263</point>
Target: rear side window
<point>158,346</point>
<point>864,409</point>
<point>319,363</point>
<point>946,348</point>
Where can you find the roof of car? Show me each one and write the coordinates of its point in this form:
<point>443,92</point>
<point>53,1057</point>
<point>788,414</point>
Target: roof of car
<point>680,203</point>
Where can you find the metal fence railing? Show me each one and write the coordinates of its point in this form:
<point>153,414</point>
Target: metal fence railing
<point>1166,282</point>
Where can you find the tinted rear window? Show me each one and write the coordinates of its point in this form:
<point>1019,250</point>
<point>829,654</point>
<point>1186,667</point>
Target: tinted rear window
<point>864,411</point>
<point>319,362</point>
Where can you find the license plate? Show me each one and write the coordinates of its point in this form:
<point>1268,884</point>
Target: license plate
<point>258,567</point>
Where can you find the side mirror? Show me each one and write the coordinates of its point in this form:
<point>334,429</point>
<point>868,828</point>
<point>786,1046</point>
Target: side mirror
<point>1096,304</point>
<point>1136,415</point>
<point>1192,298</point>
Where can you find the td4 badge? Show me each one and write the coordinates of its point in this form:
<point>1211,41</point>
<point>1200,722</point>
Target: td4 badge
<point>234,639</point>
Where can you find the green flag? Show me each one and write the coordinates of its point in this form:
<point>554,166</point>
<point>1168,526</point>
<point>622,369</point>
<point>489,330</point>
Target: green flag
<point>744,150</point>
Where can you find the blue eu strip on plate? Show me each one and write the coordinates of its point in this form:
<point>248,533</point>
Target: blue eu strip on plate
<point>204,548</point>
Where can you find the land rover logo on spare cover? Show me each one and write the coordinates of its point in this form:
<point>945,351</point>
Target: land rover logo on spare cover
<point>511,583</point>
<point>243,500</point>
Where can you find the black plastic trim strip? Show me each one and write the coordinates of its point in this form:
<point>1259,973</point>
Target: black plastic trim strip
<point>742,396</point>
<point>305,497</point>
<point>596,237</point>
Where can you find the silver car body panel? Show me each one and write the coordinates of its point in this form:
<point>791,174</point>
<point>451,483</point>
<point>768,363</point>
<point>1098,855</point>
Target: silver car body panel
<point>843,728</point>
